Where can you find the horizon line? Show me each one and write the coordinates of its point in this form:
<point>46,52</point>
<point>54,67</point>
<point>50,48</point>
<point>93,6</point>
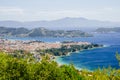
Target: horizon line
<point>60,19</point>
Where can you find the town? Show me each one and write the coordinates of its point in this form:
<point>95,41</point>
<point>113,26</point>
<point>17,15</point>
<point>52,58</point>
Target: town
<point>31,46</point>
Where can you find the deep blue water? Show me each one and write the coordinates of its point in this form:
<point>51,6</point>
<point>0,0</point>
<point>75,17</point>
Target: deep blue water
<point>90,59</point>
<point>100,57</point>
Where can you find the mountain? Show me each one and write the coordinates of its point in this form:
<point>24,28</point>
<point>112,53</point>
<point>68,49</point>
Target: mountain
<point>41,32</point>
<point>13,31</point>
<point>62,24</point>
<point>107,30</point>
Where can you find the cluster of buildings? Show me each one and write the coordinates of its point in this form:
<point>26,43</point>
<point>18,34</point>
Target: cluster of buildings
<point>10,46</point>
<point>31,46</point>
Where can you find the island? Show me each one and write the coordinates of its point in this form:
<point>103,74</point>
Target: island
<point>108,30</point>
<point>41,32</point>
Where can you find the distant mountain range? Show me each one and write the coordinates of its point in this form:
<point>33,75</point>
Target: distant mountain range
<point>108,30</point>
<point>41,32</point>
<point>62,24</point>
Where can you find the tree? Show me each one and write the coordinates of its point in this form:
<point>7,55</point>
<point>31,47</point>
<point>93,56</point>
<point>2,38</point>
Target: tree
<point>118,57</point>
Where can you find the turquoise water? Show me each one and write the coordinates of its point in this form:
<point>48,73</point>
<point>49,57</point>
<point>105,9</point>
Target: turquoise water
<point>90,59</point>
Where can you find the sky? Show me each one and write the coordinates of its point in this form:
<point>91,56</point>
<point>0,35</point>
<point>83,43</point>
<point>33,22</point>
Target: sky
<point>34,10</point>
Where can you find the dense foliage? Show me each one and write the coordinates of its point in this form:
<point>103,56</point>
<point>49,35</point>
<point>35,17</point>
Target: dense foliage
<point>12,68</point>
<point>64,50</point>
<point>118,57</point>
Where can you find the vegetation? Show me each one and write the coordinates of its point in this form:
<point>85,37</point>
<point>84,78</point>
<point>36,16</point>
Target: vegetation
<point>64,50</point>
<point>118,57</point>
<point>12,68</point>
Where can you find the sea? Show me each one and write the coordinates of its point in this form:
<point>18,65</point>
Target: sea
<point>91,59</point>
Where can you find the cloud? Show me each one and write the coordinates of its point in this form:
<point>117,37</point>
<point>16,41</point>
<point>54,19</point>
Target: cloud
<point>11,11</point>
<point>65,13</point>
<point>15,13</point>
<point>108,9</point>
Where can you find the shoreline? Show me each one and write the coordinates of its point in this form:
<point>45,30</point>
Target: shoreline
<point>35,44</point>
<point>60,63</point>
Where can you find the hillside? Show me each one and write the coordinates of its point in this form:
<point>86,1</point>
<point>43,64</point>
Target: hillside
<point>20,68</point>
<point>107,30</point>
<point>41,32</point>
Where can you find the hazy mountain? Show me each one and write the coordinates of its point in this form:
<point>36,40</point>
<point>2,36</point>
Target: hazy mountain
<point>107,30</point>
<point>41,32</point>
<point>13,31</point>
<point>62,24</point>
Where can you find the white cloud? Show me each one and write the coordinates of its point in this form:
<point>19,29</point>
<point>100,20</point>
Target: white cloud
<point>14,13</point>
<point>11,11</point>
<point>65,13</point>
<point>108,9</point>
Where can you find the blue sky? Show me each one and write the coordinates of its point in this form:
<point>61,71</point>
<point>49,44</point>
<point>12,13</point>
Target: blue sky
<point>33,10</point>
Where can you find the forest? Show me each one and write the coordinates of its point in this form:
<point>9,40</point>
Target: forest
<point>14,68</point>
<point>64,50</point>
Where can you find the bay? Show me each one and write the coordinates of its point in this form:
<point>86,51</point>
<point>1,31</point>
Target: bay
<point>88,59</point>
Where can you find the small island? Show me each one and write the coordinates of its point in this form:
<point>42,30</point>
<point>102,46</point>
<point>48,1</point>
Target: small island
<point>108,30</point>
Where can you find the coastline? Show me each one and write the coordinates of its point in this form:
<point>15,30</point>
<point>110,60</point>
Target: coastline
<point>76,49</point>
<point>59,61</point>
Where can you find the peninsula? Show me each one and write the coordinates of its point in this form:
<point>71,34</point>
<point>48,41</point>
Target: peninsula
<point>56,48</point>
